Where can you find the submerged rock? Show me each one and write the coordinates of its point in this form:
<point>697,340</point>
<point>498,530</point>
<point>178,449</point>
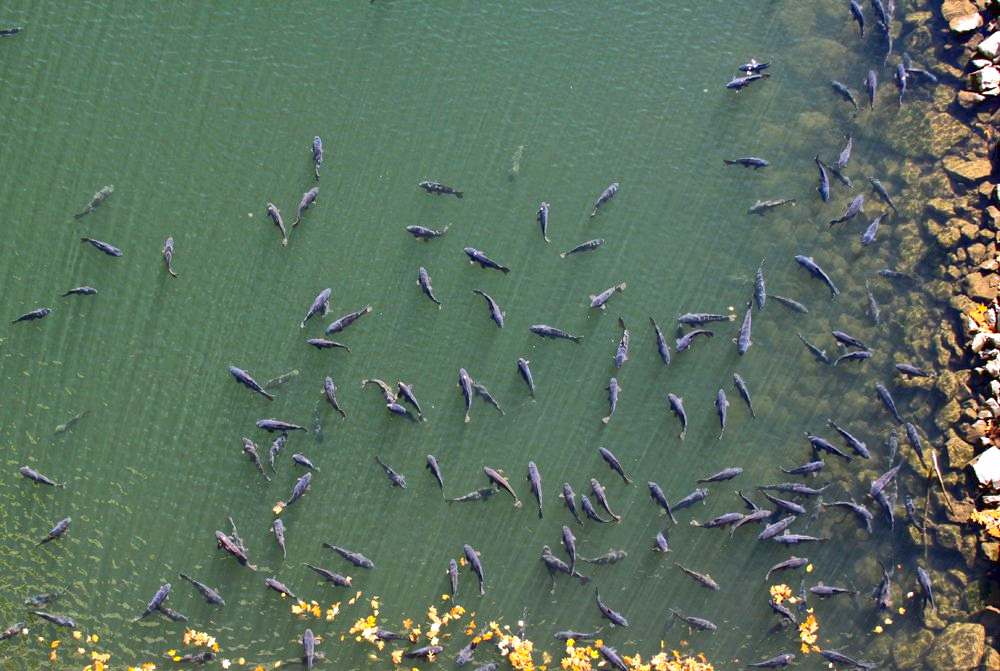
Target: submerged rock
<point>959,647</point>
<point>968,170</point>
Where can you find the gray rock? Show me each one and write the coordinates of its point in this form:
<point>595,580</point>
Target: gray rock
<point>959,647</point>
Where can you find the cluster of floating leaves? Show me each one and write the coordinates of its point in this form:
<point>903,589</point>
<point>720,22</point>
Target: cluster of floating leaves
<point>98,661</point>
<point>989,519</point>
<point>808,635</point>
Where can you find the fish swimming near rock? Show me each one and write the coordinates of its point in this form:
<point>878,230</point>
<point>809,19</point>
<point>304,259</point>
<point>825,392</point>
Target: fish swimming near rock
<point>852,210</point>
<point>605,196</point>
<point>244,378</point>
<point>886,399</point>
<point>880,190</point>
<point>810,264</point>
<point>868,237</point>
<point>425,234</point>
<point>912,371</point>
<point>440,189</point>
<point>275,214</point>
<point>855,444</point>
<point>763,206</point>
<point>96,200</point>
<point>308,198</point>
<point>901,78</point>
<point>424,282</point>
<point>844,93</point>
<point>583,247</point>
<point>476,256</point>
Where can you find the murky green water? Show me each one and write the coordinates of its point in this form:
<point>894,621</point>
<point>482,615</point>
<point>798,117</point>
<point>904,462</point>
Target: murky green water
<point>200,113</point>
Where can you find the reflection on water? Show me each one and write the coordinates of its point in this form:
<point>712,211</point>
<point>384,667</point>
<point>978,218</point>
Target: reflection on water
<point>200,118</point>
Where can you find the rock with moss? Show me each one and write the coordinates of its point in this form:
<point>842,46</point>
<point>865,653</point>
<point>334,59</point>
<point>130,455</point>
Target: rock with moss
<point>959,647</point>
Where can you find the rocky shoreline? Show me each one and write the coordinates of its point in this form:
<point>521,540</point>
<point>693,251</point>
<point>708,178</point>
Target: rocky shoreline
<point>955,210</point>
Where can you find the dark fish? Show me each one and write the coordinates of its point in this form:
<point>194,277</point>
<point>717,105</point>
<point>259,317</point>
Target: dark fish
<point>883,15</point>
<point>826,591</point>
<point>569,497</point>
<point>600,299</point>
<point>753,66</point>
<point>308,198</point>
<point>304,461</point>
<point>275,214</point>
<point>871,84</point>
<point>543,220</point>
<point>816,351</point>
<point>838,658</point>
<point>536,485</point>
<point>809,264</point>
<point>854,507</point>
<point>743,340</point>
<point>901,82</point>
<point>602,498</point>
<point>583,247</point>
<point>758,515</point>
<point>695,318</point>
<point>886,399</point>
<point>398,409</point>
<point>308,649</point>
<point>883,480</point>
<point>785,659</point>
<point>844,93</point>
<point>495,312</point>
<point>790,506</point>
<point>158,600</point>
<point>794,539</point>
<point>98,197</point>
<point>473,558</point>
<point>852,210</point>
<point>703,578</point>
<point>395,478</point>
<point>276,382</point>
<point>811,467</point>
<point>691,499</point>
<point>911,512</point>
<point>873,310</point>
<point>453,576</point>
<point>661,343</point>
<point>660,543</point>
<point>280,588</point>
<point>406,393</point>
<point>868,237</point>
<point>824,180</point>
<point>440,189</point>
<point>616,618</point>
<point>278,527</point>
<point>759,288</point>
<point>685,341</point>
<point>476,256</point>
<point>924,580</point>
<point>387,391</point>
<point>317,152</point>
<point>478,495</point>
<point>923,74</point>
<point>81,291</point>
<point>522,368</point>
<point>424,281</point>
<point>605,197</point>
<point>502,483</point>
<point>569,543</point>
<point>57,531</point>
<point>40,600</point>
<point>841,177</point>
<point>355,558</point>
<point>860,18</point>
<point>887,508</point>
<point>425,234</point>
<point>660,499</point>
<point>432,466</point>
<point>795,488</point>
<point>764,206</point>
<point>749,504</point>
<point>244,378</point>
<point>330,576</point>
<point>59,620</point>
<point>722,476</point>
<point>913,371</point>
<point>250,449</point>
<point>427,652</point>
<point>845,155</point>
<point>323,343</point>
<point>914,439</point>
<point>820,444</point>
<point>882,193</point>
<point>614,464</point>
<point>677,407</point>
<point>588,510</point>
<point>330,389</point>
<point>465,384</point>
<point>552,332</point>
<point>32,474</point>
<point>747,162</point>
<point>741,387</point>
<point>273,425</point>
<point>890,274</point>
<point>612,557</point>
<point>739,82</point>
<point>13,630</point>
<point>576,635</point>
<point>772,530</point>
<point>276,447</point>
<point>34,314</point>
<point>721,405</point>
<point>612,657</point>
<point>347,320</point>
<point>300,488</point>
<point>856,445</point>
<point>621,353</point>
<point>794,306</point>
<point>696,622</point>
<point>790,563</point>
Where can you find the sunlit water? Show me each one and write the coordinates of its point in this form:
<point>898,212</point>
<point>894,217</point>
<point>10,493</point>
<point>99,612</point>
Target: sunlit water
<point>199,114</point>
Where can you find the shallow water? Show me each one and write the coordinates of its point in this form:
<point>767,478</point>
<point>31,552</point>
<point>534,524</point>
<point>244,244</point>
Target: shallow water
<point>199,115</point>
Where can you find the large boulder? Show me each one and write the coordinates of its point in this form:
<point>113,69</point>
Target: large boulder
<point>962,16</point>
<point>959,647</point>
<point>972,170</point>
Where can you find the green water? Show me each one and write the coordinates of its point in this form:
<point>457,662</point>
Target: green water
<point>200,113</point>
